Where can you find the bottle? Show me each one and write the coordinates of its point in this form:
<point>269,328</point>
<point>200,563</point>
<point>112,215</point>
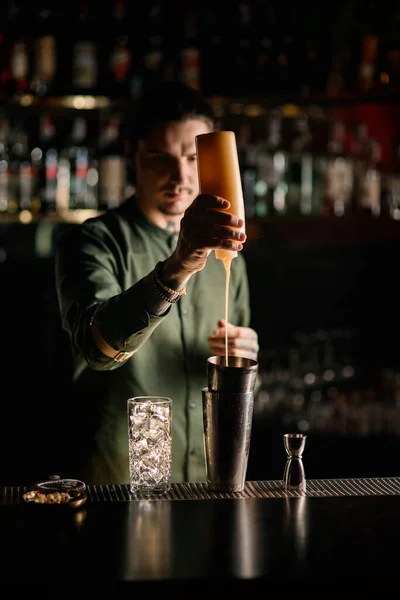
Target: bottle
<point>340,72</point>
<point>368,64</point>
<point>45,55</point>
<point>361,154</point>
<point>339,174</point>
<point>285,59</point>
<point>219,174</point>
<point>119,61</point>
<point>368,69</point>
<point>16,35</point>
<point>19,173</point>
<point>216,59</point>
<point>242,50</point>
<point>78,156</point>
<point>189,56</point>
<point>4,163</point>
<point>154,65</point>
<point>112,164</point>
<point>27,176</point>
<point>271,187</point>
<point>247,152</point>
<point>45,160</point>
<point>369,184</point>
<point>389,59</point>
<point>63,186</point>
<point>261,70</point>
<point>84,59</point>
<point>299,195</point>
<point>391,185</point>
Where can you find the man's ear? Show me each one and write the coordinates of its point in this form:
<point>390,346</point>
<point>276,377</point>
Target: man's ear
<point>130,162</point>
<point>129,154</point>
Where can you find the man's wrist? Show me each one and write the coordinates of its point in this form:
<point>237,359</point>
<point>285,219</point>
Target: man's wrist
<point>172,274</point>
<point>169,294</point>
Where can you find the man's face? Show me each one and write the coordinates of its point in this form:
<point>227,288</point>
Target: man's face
<point>166,170</point>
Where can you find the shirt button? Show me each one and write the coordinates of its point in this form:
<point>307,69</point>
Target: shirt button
<point>184,311</point>
<point>193,452</point>
<point>192,405</point>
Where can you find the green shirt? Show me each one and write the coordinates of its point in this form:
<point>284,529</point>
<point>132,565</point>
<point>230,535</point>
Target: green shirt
<point>103,265</point>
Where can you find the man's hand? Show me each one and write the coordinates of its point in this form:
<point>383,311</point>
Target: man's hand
<point>242,341</point>
<point>205,226</point>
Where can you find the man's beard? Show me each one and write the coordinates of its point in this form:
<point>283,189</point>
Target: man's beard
<point>174,209</point>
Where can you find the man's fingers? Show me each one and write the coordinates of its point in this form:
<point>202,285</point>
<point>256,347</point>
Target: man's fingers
<point>208,201</point>
<point>234,331</point>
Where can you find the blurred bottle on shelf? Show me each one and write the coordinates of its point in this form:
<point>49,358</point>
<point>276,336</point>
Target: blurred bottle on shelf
<point>44,47</point>
<point>262,44</point>
<point>21,172</point>
<point>189,62</point>
<point>368,65</point>
<point>45,162</point>
<point>112,164</point>
<point>120,60</point>
<point>216,55</point>
<point>15,53</point>
<point>262,65</point>
<point>155,64</point>
<point>4,163</point>
<point>300,174</point>
<point>339,176</point>
<point>391,185</point>
<point>370,189</point>
<point>83,180</point>
<point>243,32</point>
<point>286,60</point>
<point>84,53</point>
<point>389,61</point>
<point>314,58</point>
<point>366,156</point>
<point>373,31</point>
<point>338,67</point>
<point>247,153</point>
<point>272,165</point>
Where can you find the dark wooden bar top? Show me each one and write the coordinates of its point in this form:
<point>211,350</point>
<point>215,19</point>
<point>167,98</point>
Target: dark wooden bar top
<point>337,535</point>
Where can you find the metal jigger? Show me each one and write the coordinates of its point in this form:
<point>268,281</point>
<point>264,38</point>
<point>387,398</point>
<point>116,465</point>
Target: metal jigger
<point>293,475</point>
<point>227,417</point>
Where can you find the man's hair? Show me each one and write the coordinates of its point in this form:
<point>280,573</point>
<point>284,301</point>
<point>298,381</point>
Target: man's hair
<point>168,101</point>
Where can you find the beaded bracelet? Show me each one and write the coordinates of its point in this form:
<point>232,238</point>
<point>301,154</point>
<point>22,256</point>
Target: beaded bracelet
<point>162,288</point>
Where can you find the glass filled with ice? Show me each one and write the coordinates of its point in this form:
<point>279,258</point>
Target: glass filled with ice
<point>150,437</point>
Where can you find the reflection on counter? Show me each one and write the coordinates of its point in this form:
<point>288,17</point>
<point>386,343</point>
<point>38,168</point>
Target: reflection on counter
<point>295,527</point>
<point>148,524</point>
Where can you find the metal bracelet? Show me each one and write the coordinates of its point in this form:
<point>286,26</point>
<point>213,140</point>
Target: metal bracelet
<point>171,299</point>
<point>178,292</point>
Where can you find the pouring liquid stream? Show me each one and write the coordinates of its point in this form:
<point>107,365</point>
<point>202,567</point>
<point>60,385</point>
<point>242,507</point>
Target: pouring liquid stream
<point>227,265</point>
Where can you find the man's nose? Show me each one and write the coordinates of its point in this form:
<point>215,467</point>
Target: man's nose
<point>180,171</point>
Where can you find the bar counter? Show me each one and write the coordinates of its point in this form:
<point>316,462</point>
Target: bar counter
<point>340,535</point>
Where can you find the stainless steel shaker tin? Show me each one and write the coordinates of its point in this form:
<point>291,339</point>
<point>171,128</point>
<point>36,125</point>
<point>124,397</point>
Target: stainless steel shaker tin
<point>238,376</point>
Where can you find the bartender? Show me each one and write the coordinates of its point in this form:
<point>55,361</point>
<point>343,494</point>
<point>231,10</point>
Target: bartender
<point>141,296</point>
